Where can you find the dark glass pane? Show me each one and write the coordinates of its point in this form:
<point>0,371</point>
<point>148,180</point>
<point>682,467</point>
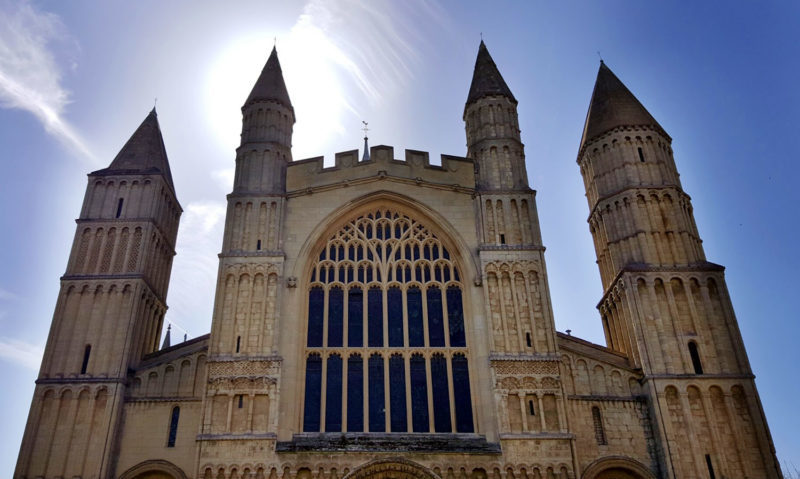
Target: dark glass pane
<point>355,394</point>
<point>377,414</point>
<point>333,397</point>
<point>316,303</point>
<point>173,426</point>
<point>375,317</point>
<point>445,254</point>
<point>355,318</point>
<point>369,274</point>
<point>397,393</point>
<point>455,272</point>
<point>427,252</point>
<point>395,305</point>
<point>461,394</point>
<point>418,274</point>
<point>435,321</point>
<point>351,253</point>
<point>416,252</point>
<point>441,394</point>
<point>427,269</point>
<point>322,255</point>
<point>313,275</point>
<point>341,274</point>
<point>361,275</point>
<point>455,318</point>
<point>446,274</point>
<point>330,274</point>
<point>437,271</point>
<point>349,274</point>
<point>416,334</point>
<point>419,394</point>
<point>408,252</point>
<point>335,317</point>
<point>313,390</point>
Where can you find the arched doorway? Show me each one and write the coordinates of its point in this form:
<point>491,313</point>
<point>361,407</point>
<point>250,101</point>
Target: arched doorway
<point>156,469</point>
<point>617,467</point>
<point>392,468</point>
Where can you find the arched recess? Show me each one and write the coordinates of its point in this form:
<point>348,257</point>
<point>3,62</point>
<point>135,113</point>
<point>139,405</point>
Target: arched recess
<point>438,224</point>
<point>617,467</point>
<point>155,469</point>
<point>394,468</point>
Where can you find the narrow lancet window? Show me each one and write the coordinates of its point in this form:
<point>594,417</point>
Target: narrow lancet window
<point>641,154</point>
<point>333,396</point>
<point>85,364</point>
<point>355,393</point>
<point>397,393</point>
<point>419,394</point>
<point>377,413</point>
<point>698,366</point>
<point>119,208</point>
<point>173,426</point>
<point>311,410</point>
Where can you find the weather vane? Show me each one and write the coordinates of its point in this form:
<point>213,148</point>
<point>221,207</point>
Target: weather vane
<point>365,128</point>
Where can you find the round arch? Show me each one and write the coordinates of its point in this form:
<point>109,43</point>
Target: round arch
<point>617,467</point>
<point>394,468</point>
<point>448,234</point>
<point>154,469</point>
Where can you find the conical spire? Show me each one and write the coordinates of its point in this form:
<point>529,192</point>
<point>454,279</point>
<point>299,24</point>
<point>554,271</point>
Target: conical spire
<point>613,105</point>
<point>270,84</point>
<point>144,152</point>
<point>166,342</point>
<point>486,79</point>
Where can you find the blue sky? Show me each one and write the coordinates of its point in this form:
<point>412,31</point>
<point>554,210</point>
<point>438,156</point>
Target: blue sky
<point>76,79</point>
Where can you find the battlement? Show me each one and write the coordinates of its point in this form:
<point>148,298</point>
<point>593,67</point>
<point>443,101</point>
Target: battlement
<point>311,172</point>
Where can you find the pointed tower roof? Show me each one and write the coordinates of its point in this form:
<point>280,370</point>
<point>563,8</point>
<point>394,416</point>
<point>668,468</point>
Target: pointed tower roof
<point>613,105</point>
<point>486,78</point>
<point>270,84</point>
<point>143,153</point>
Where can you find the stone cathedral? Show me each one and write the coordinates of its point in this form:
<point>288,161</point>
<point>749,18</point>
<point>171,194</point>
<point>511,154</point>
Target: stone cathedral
<point>391,318</point>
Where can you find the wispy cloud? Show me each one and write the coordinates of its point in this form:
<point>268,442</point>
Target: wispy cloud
<point>21,353</point>
<point>7,295</point>
<point>30,77</point>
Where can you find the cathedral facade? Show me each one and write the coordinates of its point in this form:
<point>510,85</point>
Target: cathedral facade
<point>391,318</point>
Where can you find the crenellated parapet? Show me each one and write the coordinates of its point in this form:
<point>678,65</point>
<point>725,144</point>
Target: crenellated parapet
<point>304,176</point>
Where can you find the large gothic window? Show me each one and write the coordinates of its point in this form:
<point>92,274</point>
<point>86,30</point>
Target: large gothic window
<point>386,345</point>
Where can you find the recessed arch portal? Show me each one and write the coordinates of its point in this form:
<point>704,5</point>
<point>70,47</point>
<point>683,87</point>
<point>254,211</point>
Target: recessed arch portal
<point>386,328</point>
<point>617,467</point>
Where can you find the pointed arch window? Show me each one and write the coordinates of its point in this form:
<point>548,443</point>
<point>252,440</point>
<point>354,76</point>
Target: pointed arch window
<point>386,317</point>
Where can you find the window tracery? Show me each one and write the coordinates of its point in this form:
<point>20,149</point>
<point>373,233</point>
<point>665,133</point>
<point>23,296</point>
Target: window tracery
<point>386,343</point>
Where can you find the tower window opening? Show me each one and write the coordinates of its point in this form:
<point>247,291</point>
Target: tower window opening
<point>119,207</point>
<point>86,353</point>
<point>173,426</point>
<point>641,154</point>
<point>238,343</point>
<point>599,432</point>
<point>258,245</point>
<point>502,238</point>
<point>531,410</point>
<point>241,401</point>
<point>528,339</point>
<point>711,474</point>
<point>698,366</point>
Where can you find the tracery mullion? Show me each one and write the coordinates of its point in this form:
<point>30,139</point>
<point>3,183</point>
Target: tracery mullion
<point>431,412</point>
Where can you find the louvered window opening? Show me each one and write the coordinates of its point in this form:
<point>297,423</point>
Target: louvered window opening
<point>386,345</point>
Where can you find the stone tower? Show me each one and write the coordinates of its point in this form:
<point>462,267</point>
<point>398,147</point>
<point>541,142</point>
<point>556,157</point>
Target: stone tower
<point>510,250</point>
<point>664,305</point>
<point>109,312</point>
<point>243,332</point>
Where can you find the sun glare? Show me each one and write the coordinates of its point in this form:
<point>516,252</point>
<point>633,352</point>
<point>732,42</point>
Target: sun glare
<point>309,60</point>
